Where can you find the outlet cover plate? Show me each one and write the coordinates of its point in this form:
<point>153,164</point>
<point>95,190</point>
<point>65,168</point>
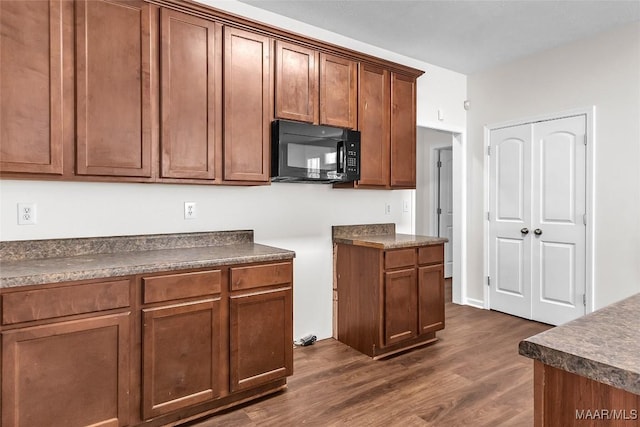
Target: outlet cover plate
<point>190,211</point>
<point>27,214</point>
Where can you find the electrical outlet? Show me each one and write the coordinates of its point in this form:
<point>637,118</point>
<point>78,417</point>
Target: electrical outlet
<point>387,208</point>
<point>26,213</point>
<point>190,210</point>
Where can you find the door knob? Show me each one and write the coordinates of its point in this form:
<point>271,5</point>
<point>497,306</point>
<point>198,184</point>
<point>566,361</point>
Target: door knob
<point>537,232</point>
<point>524,230</point>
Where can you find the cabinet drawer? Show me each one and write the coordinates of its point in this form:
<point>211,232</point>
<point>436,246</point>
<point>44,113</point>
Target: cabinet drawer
<point>399,258</point>
<point>183,285</point>
<point>261,275</point>
<point>40,304</point>
<point>431,254</point>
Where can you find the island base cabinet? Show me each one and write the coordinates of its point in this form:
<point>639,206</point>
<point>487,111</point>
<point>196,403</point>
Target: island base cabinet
<point>431,298</point>
<point>67,374</point>
<point>400,302</point>
<point>388,300</point>
<point>565,399</point>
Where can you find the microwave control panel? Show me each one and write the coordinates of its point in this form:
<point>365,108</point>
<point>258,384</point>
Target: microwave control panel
<point>352,160</point>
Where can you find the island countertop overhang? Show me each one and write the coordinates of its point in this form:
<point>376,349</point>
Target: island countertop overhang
<point>603,346</point>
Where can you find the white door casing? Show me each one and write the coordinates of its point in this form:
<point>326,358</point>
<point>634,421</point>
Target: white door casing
<point>537,245</point>
<point>445,205</point>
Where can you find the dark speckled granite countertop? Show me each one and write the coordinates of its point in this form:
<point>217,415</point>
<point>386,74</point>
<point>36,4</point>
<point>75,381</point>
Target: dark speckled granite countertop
<point>381,236</point>
<point>603,346</point>
<point>36,262</point>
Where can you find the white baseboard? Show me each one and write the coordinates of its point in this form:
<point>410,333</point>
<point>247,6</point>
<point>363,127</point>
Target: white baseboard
<point>477,303</point>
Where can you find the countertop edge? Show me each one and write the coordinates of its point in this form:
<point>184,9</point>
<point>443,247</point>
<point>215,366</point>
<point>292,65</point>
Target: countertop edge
<point>597,371</point>
<point>363,241</point>
<point>105,273</point>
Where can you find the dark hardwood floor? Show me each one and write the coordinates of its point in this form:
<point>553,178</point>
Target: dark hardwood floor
<point>473,376</point>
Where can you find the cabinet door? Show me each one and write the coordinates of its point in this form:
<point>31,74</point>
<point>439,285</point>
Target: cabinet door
<point>296,83</point>
<point>403,131</point>
<point>400,306</point>
<point>191,95</point>
<point>338,91</point>
<point>431,298</point>
<point>113,73</point>
<point>181,356</point>
<point>261,337</point>
<point>67,374</point>
<point>373,123</point>
<point>247,105</point>
<point>31,85</point>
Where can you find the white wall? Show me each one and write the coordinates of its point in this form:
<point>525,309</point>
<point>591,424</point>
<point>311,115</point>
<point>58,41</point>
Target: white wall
<point>602,71</point>
<point>293,216</point>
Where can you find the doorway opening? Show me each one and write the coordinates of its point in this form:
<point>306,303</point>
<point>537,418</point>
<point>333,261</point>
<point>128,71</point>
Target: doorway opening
<point>443,147</point>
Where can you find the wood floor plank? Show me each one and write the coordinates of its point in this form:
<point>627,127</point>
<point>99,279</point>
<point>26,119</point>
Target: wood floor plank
<point>472,376</point>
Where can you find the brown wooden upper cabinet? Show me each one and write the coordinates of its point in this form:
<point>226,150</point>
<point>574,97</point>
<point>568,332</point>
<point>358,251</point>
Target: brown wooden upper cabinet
<point>403,131</point>
<point>296,95</point>
<point>338,91</point>
<point>113,76</point>
<point>315,87</point>
<point>373,122</point>
<point>387,122</point>
<point>247,106</point>
<point>128,90</point>
<point>190,96</point>
<point>32,83</point>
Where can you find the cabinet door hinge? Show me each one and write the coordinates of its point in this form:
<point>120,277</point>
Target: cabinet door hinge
<point>439,164</point>
<point>439,211</point>
<point>584,219</point>
<point>488,150</point>
<point>584,299</point>
<point>488,216</point>
<point>488,281</point>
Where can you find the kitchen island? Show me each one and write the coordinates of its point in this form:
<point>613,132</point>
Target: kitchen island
<point>587,371</point>
<point>388,288</point>
<point>142,330</point>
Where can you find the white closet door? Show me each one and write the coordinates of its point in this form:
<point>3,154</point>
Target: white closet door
<point>537,239</point>
<point>510,218</point>
<point>558,238</point>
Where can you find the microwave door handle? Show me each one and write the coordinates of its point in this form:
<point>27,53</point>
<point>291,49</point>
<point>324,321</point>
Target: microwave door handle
<point>341,157</point>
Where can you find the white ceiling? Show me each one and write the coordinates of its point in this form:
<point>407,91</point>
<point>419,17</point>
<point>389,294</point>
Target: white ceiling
<point>461,35</point>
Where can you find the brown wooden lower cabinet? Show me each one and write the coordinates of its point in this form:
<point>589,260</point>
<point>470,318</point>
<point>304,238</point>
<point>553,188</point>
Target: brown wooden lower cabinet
<point>181,356</point>
<point>389,300</point>
<point>400,305</point>
<point>261,323</point>
<point>73,373</point>
<point>152,350</point>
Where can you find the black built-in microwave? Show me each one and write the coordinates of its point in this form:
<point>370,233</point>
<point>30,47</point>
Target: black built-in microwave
<point>302,152</point>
